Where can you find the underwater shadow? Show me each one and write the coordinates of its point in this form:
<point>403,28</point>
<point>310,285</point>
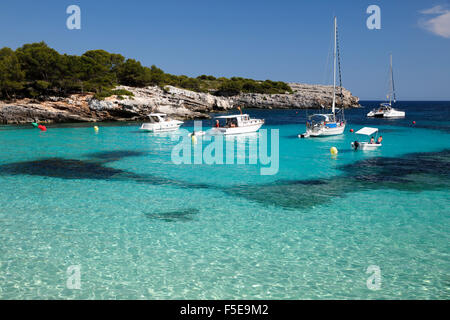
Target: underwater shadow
<point>115,154</point>
<point>413,172</point>
<point>94,168</point>
<point>184,215</point>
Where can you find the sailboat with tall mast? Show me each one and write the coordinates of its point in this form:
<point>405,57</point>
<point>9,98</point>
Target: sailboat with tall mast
<point>386,110</point>
<point>329,124</point>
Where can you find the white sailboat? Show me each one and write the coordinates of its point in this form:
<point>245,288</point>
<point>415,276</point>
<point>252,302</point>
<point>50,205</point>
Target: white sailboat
<point>328,124</point>
<point>386,110</point>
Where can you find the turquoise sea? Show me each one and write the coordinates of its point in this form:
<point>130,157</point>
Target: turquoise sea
<point>141,227</point>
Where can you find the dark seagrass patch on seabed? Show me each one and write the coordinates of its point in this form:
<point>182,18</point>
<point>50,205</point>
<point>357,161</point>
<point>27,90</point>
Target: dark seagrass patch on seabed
<point>61,168</point>
<point>413,172</point>
<point>93,168</point>
<point>115,155</point>
<point>183,215</point>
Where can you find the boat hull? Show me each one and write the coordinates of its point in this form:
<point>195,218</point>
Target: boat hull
<point>152,127</point>
<point>366,146</point>
<point>325,131</point>
<point>239,130</point>
<point>390,115</point>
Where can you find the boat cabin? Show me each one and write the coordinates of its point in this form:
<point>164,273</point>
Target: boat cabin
<point>158,117</point>
<point>233,121</point>
<point>384,107</point>
<point>327,119</point>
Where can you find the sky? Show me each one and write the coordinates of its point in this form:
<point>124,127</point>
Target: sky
<point>279,40</point>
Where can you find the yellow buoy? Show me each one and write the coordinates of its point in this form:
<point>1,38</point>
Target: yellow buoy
<point>96,128</point>
<point>334,151</point>
<point>194,139</point>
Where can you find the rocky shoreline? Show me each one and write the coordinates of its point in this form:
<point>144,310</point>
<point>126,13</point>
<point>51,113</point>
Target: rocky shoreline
<point>177,103</point>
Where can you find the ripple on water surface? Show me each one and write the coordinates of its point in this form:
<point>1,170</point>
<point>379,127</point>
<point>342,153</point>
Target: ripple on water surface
<point>141,227</point>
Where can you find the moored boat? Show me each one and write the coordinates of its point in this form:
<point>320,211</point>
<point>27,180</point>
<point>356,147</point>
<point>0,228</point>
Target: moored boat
<point>367,145</point>
<point>237,124</point>
<point>159,122</point>
<point>328,124</point>
<point>385,110</point>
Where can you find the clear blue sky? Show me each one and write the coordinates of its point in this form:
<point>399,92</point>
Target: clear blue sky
<point>278,40</point>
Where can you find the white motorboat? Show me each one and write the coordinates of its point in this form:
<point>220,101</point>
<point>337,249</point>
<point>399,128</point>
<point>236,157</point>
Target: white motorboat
<point>366,145</point>
<point>328,124</point>
<point>237,124</point>
<point>159,122</point>
<point>386,110</point>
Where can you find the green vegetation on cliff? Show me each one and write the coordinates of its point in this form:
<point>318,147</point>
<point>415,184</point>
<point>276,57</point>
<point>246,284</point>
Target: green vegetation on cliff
<point>38,71</point>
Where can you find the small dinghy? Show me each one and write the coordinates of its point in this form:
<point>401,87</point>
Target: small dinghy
<point>303,135</point>
<point>197,133</point>
<point>366,145</point>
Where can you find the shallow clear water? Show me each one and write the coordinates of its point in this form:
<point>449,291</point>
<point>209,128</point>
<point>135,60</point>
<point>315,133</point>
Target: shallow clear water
<point>141,227</point>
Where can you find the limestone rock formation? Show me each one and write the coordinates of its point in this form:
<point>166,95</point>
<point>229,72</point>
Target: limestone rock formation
<point>176,102</point>
<point>304,96</point>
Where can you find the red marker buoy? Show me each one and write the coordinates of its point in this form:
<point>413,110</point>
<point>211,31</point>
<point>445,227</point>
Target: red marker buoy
<point>43,128</point>
<point>351,130</point>
<point>414,122</point>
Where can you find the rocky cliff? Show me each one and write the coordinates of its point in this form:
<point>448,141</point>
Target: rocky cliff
<point>304,96</point>
<point>176,102</point>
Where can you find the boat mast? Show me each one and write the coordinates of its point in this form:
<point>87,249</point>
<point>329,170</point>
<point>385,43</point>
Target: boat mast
<point>390,80</point>
<point>393,85</point>
<point>334,66</point>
